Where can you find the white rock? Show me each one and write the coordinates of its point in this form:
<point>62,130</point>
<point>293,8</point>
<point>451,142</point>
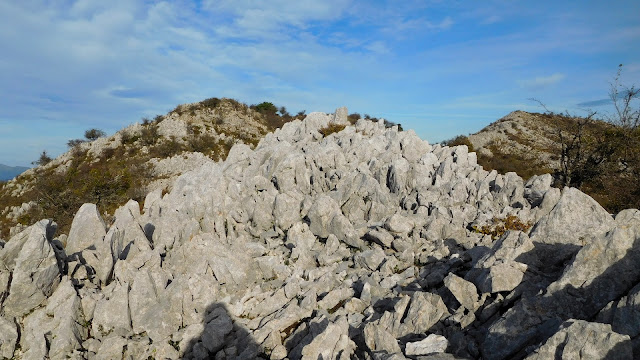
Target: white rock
<point>432,344</point>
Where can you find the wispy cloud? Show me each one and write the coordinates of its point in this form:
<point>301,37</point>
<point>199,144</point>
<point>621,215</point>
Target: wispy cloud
<point>73,64</point>
<point>594,103</point>
<point>542,81</point>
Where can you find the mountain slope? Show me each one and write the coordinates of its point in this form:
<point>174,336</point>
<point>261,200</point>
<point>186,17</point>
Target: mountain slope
<point>132,162</point>
<point>530,144</point>
<point>9,172</point>
<point>330,241</point>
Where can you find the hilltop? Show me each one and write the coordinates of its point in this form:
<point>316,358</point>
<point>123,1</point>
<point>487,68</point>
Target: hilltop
<point>138,159</point>
<point>530,144</point>
<point>334,241</point>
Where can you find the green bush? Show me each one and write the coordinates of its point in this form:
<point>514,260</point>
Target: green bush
<point>44,159</point>
<point>459,140</point>
<point>75,142</point>
<point>266,108</point>
<point>211,103</point>
<point>167,148</point>
<point>149,134</point>
<point>94,134</point>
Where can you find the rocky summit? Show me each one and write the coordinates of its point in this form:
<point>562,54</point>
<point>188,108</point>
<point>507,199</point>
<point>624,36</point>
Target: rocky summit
<point>364,243</point>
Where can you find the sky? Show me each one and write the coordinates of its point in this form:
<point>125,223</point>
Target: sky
<point>441,68</point>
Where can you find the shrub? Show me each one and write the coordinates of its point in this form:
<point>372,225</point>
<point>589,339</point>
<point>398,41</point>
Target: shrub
<point>353,118</point>
<point>127,138</point>
<point>75,142</point>
<point>149,134</point>
<point>167,148</point>
<point>499,226</point>
<point>93,134</point>
<point>265,108</point>
<point>44,159</point>
<point>331,128</point>
<point>211,103</point>
<point>459,140</point>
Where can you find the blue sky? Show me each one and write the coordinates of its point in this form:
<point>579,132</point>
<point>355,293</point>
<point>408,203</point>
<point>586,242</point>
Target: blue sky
<point>441,68</point>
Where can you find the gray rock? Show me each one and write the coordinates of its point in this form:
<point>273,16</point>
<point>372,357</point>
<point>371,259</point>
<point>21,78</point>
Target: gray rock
<point>370,259</point>
<point>380,236</point>
<point>111,348</point>
<point>87,229</point>
<point>574,220</point>
<point>340,115</point>
<point>378,339</point>
<point>536,187</point>
<point>579,339</point>
<point>501,277</point>
<point>463,291</point>
<point>112,314</point>
<point>66,321</point>
<point>398,224</point>
<point>429,345</point>
<point>36,273</point>
<point>326,340</point>
<point>320,215</point>
<point>8,338</point>
<point>602,271</point>
<point>425,310</point>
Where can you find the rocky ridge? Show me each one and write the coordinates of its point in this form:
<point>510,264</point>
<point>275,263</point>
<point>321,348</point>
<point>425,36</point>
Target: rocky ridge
<point>148,155</point>
<point>366,243</point>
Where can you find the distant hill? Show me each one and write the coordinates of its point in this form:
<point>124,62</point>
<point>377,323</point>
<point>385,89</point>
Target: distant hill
<point>136,160</point>
<point>9,172</point>
<point>529,144</point>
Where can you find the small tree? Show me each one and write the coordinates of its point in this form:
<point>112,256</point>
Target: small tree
<point>93,134</point>
<point>44,159</point>
<point>266,108</point>
<point>75,142</point>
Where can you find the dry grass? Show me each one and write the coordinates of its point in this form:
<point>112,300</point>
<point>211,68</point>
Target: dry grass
<point>331,128</point>
<point>499,226</point>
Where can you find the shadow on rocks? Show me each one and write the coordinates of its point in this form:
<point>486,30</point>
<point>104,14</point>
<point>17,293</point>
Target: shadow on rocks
<point>533,320</point>
<point>219,337</point>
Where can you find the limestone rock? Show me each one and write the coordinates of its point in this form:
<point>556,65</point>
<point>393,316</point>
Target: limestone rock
<point>8,338</point>
<point>578,339</point>
<point>87,229</point>
<point>36,273</point>
<point>429,345</point>
<point>463,291</point>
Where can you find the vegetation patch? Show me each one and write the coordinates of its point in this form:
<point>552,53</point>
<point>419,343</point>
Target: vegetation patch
<point>499,226</point>
<point>459,140</point>
<point>331,128</point>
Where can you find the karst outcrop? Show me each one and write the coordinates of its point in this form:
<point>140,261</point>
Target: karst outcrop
<point>366,243</point>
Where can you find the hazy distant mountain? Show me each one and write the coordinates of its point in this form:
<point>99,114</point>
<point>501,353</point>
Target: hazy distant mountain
<point>9,172</point>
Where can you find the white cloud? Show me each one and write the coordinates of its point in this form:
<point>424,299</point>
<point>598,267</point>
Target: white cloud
<point>492,19</point>
<point>542,81</point>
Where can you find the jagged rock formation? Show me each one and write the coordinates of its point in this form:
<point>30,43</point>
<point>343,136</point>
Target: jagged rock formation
<point>134,161</point>
<point>367,243</point>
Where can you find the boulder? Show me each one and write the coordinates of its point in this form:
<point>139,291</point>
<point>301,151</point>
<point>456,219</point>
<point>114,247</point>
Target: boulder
<point>579,339</point>
<point>36,273</point>
<point>87,229</point>
<point>432,344</point>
